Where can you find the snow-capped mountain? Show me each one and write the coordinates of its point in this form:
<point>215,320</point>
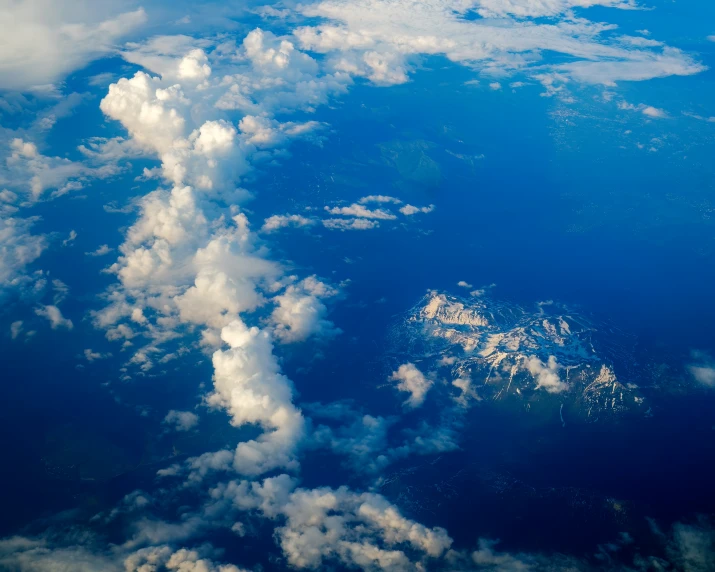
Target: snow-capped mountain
<point>493,350</point>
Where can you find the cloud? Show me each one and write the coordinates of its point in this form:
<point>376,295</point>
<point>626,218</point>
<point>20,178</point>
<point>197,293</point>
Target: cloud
<point>647,110</point>
<point>60,289</point>
<point>359,211</point>
<point>18,249</point>
<point>379,40</point>
<point>249,385</point>
<point>654,112</point>
<point>49,555</point>
<point>181,420</point>
<point>327,525</point>
<point>101,251</point>
<point>464,284</point>
<point>379,199</point>
<point>411,380</point>
<point>39,555</point>
<point>30,171</point>
<point>91,356</point>
<point>542,8</point>
<point>350,224</point>
<point>703,368</point>
<point>300,313</point>
<point>547,376</point>
<point>276,222</point>
<point>70,239</point>
<point>42,41</point>
<point>16,329</point>
<point>409,210</point>
<point>54,315</point>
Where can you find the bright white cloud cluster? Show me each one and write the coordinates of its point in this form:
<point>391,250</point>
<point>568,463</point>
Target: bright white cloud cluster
<point>326,525</point>
<point>300,313</point>
<point>376,39</point>
<point>190,263</point>
<point>248,384</point>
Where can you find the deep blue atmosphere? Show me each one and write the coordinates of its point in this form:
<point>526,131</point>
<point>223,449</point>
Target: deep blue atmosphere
<point>367,285</point>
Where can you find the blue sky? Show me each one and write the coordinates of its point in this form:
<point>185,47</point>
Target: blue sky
<point>207,207</point>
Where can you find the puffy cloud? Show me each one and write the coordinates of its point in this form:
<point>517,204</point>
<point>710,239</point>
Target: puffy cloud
<point>654,112</point>
<point>326,525</point>
<point>409,210</point>
<point>44,40</point>
<point>464,284</point>
<point>300,313</point>
<point>54,315</point>
<point>411,380</point>
<point>275,222</point>
<point>181,420</point>
<point>647,110</point>
<point>278,77</point>
<point>91,356</point>
<point>359,211</point>
<point>248,384</point>
<point>546,374</point>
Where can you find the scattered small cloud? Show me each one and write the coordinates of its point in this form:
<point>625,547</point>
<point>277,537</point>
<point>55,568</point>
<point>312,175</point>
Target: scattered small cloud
<point>91,356</point>
<point>101,251</point>
<point>546,374</point>
<point>350,224</point>
<point>359,211</point>
<point>181,420</point>
<point>379,199</point>
<point>276,222</point>
<point>16,329</point>
<point>651,111</point>
<point>409,210</point>
<point>70,239</point>
<point>411,380</point>
<point>54,315</point>
<point>703,368</point>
